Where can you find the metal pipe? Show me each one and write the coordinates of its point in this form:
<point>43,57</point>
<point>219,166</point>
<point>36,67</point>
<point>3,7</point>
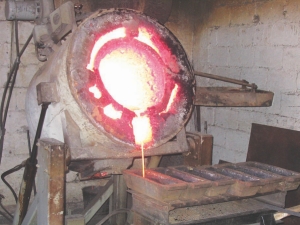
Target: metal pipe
<point>30,170</point>
<point>198,118</point>
<point>21,10</point>
<point>39,131</point>
<point>226,79</point>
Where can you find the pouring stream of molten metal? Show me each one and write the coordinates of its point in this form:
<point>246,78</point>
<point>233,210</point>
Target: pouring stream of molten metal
<point>143,133</point>
<point>139,85</point>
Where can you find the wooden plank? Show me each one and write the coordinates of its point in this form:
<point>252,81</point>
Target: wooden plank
<point>232,97</point>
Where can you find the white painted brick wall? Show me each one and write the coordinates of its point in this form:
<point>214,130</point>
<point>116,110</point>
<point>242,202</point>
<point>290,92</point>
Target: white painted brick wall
<point>15,145</point>
<point>225,42</point>
<point>266,53</point>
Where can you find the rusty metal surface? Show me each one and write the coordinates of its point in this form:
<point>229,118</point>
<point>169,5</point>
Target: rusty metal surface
<point>151,211</point>
<point>233,97</point>
<point>244,83</point>
<point>46,92</point>
<point>56,184</point>
<point>200,149</point>
<point>283,146</point>
<point>165,125</point>
<point>51,189</point>
<point>188,183</point>
<point>160,10</point>
<point>25,191</point>
<point>96,169</point>
<point>179,145</point>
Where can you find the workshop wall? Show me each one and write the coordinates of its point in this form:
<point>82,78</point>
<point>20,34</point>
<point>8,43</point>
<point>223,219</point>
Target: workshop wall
<point>253,40</point>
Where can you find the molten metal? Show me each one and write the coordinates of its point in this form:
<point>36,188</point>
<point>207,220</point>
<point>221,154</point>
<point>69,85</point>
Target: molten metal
<point>131,77</point>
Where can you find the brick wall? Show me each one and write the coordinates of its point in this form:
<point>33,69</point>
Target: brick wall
<point>220,37</point>
<point>257,41</point>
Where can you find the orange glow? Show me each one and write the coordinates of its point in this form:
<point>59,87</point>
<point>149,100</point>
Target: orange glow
<point>111,112</point>
<point>145,37</point>
<point>115,34</point>
<point>95,91</point>
<point>171,99</point>
<point>142,130</point>
<point>129,79</point>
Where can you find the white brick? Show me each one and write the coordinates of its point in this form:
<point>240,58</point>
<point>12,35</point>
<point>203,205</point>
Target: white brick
<point>29,56</point>
<point>16,122</point>
<point>283,33</point>
<point>18,99</point>
<point>4,70</point>
<point>237,140</point>
<point>245,118</point>
<point>25,75</point>
<point>231,72</point>
<point>227,36</point>
<point>4,54</point>
<point>202,81</point>
<point>218,56</point>
<point>242,57</point>
<point>2,11</point>
<point>281,80</point>
<point>207,114</point>
<point>25,29</point>
<point>226,118</point>
<point>6,28</point>
<point>260,38</point>
<point>220,153</point>
<point>246,36</point>
<point>212,37</point>
<point>268,57</point>
<point>298,81</point>
<point>259,76</point>
<point>291,57</point>
<point>290,104</point>
<point>219,135</point>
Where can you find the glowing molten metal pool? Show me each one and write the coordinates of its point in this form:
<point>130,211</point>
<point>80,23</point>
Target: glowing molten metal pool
<point>139,86</point>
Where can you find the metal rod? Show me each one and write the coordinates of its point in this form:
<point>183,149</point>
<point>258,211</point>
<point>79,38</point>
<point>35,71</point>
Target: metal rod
<point>30,168</point>
<point>39,131</point>
<point>226,79</point>
<point>198,118</point>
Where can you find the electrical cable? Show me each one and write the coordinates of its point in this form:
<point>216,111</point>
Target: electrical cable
<point>10,80</point>
<point>2,197</point>
<point>29,149</point>
<point>112,214</point>
<point>10,171</point>
<point>6,217</point>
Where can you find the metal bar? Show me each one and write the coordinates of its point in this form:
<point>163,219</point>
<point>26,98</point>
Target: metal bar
<point>279,209</point>
<point>30,172</point>
<point>119,199</point>
<point>154,161</point>
<point>232,97</point>
<point>51,185</point>
<point>198,118</point>
<point>38,131</point>
<point>226,79</point>
<point>30,217</point>
<point>98,201</point>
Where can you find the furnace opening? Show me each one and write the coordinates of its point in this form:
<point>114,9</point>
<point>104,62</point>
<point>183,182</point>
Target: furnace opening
<point>137,77</point>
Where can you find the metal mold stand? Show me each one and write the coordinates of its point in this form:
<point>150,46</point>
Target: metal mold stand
<point>147,211</point>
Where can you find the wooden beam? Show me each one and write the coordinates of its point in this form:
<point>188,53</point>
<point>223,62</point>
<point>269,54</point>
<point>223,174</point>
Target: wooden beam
<point>232,97</point>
